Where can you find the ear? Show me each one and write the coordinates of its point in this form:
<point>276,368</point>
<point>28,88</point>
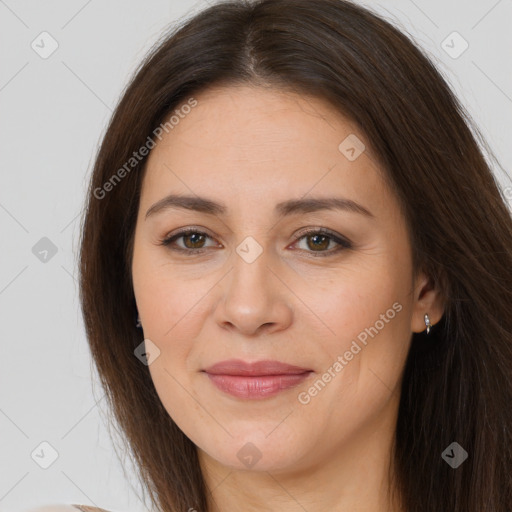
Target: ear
<point>427,299</point>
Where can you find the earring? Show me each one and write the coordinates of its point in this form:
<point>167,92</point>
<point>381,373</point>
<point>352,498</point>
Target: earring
<point>138,324</point>
<point>427,323</point>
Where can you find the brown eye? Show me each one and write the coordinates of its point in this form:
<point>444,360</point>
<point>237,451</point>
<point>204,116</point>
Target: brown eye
<point>193,241</point>
<point>318,240</point>
<point>196,240</point>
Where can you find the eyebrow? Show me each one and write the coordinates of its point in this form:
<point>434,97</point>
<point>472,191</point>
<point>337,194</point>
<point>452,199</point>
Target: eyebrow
<point>285,208</point>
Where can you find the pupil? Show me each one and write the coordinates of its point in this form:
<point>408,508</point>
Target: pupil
<point>316,237</point>
<point>193,235</point>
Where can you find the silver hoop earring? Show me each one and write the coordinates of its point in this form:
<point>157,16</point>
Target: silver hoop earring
<point>138,324</point>
<point>427,323</point>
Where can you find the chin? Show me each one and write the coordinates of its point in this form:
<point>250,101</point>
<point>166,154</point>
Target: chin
<point>258,453</point>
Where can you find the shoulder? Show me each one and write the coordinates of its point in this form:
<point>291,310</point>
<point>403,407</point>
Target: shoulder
<point>62,507</point>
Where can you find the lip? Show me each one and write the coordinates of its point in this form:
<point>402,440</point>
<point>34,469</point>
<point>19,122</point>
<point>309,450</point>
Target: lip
<point>256,369</point>
<point>258,380</point>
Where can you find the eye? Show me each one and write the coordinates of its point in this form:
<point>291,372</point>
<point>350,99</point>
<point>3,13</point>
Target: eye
<point>193,240</point>
<point>320,238</point>
<point>316,239</point>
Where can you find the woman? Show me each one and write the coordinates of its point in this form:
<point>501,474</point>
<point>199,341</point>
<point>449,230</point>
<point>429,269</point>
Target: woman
<point>296,271</point>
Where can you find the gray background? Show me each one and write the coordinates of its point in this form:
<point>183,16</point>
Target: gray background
<point>53,113</point>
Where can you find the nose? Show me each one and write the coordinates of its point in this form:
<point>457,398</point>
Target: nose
<point>254,299</point>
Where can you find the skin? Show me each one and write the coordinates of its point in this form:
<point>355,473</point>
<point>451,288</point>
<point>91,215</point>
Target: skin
<point>251,148</point>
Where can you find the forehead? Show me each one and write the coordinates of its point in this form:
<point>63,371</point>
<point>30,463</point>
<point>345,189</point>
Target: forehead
<point>244,143</point>
<point>243,121</point>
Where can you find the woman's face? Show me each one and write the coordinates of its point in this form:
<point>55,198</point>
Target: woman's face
<point>251,284</point>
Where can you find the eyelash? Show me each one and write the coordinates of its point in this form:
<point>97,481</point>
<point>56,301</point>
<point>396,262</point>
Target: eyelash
<point>343,242</point>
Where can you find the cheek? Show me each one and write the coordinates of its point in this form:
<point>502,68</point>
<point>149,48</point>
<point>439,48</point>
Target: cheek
<point>173,315</point>
<point>357,297</point>
<point>364,317</point>
<point>364,350</point>
<point>169,304</point>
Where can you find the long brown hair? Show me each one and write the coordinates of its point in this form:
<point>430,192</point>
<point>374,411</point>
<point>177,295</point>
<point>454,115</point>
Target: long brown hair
<point>457,383</point>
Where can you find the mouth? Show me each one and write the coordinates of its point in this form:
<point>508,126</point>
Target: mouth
<point>254,369</point>
<point>256,380</point>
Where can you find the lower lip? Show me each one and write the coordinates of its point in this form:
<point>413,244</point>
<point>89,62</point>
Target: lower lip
<point>256,387</point>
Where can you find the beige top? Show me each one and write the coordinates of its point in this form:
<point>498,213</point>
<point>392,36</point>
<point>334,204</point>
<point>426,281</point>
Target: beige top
<point>86,508</point>
<point>66,508</point>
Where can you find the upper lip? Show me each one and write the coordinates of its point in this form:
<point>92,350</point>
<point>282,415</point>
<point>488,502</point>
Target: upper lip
<point>257,368</point>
